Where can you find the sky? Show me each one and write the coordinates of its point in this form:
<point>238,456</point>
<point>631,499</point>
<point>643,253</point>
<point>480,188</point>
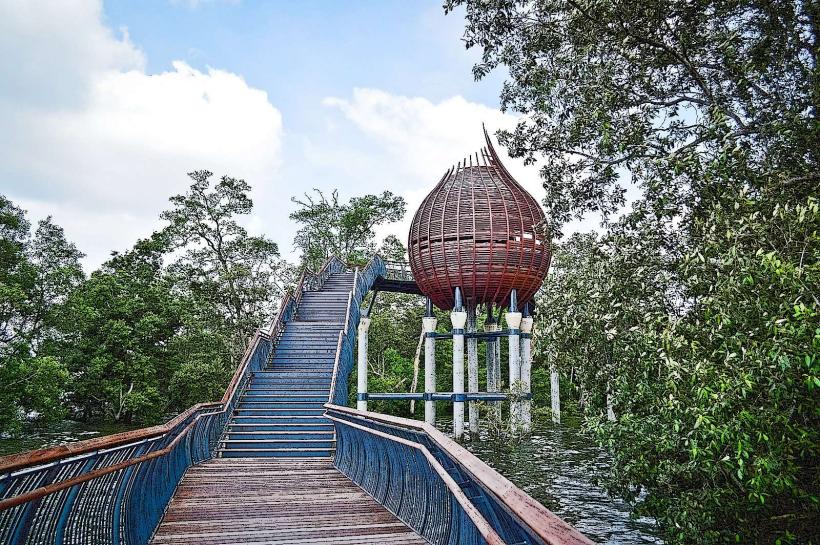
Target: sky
<point>107,105</point>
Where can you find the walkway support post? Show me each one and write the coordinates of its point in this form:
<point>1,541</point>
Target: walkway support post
<point>472,370</point>
<point>513,323</point>
<point>458,318</point>
<point>429,323</point>
<point>555,390</point>
<point>364,326</point>
<point>526,369</point>
<point>493,357</point>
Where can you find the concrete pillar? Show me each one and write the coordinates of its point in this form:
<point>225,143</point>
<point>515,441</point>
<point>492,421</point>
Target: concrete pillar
<point>526,371</point>
<point>364,325</point>
<point>493,357</point>
<point>472,370</point>
<point>458,318</point>
<point>610,410</point>
<point>429,325</point>
<point>555,391</point>
<point>513,323</point>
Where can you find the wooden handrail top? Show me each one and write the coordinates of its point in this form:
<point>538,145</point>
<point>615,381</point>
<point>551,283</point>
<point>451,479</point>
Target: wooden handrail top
<point>484,527</point>
<point>20,460</point>
<point>543,522</point>
<point>43,491</point>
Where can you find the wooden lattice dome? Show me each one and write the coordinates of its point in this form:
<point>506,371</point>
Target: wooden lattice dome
<point>479,230</point>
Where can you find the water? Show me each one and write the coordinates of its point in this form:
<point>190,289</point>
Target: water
<point>33,437</point>
<point>557,466</point>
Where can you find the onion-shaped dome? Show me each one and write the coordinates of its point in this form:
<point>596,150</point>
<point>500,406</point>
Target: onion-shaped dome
<point>479,230</point>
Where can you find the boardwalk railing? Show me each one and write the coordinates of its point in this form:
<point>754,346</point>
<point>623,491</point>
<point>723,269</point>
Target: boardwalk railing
<point>114,489</point>
<point>437,487</point>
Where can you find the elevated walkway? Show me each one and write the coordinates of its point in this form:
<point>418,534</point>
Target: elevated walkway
<point>276,501</point>
<point>279,460</point>
<point>280,411</point>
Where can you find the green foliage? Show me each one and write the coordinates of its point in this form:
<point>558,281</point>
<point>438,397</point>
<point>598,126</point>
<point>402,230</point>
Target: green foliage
<point>329,227</point>
<point>119,333</point>
<point>156,329</point>
<point>697,309</point>
<point>36,275</point>
<point>240,277</point>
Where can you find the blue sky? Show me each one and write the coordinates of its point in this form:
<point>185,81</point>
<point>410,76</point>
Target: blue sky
<point>108,105</point>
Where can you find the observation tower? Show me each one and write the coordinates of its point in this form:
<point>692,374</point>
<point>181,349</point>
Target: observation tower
<point>479,239</point>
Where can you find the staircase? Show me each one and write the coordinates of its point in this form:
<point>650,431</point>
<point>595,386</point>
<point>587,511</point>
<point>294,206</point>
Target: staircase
<point>280,412</point>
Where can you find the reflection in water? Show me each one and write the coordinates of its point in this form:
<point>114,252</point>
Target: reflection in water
<point>557,466</point>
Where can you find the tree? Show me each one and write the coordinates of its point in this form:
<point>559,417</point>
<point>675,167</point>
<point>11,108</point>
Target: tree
<point>329,227</point>
<point>239,275</point>
<point>700,302</point>
<point>118,337</point>
<point>661,89</point>
<point>393,249</point>
<point>36,275</point>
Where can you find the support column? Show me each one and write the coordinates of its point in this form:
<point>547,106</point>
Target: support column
<point>458,317</point>
<point>429,323</point>
<point>493,357</point>
<point>513,323</point>
<point>364,326</point>
<point>610,410</point>
<point>472,370</point>
<point>526,370</point>
<point>555,390</point>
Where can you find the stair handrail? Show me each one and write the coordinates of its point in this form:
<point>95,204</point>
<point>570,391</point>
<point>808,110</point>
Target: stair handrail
<point>363,280</point>
<point>342,334</point>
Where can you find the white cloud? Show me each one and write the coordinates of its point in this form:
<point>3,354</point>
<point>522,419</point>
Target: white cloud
<point>419,140</point>
<point>92,138</point>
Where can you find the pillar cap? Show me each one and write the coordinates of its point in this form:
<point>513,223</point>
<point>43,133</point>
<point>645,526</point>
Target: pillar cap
<point>526,324</point>
<point>458,318</point>
<point>513,319</point>
<point>429,324</point>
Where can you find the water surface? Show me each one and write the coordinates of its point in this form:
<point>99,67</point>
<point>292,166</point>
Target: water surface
<point>558,466</point>
<point>33,437</point>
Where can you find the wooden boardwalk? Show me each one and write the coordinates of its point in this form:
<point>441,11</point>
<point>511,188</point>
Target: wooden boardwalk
<point>275,501</point>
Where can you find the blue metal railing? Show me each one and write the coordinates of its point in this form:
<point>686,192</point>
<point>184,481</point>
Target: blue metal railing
<point>363,281</point>
<point>112,489</point>
<point>400,463</point>
<point>404,476</point>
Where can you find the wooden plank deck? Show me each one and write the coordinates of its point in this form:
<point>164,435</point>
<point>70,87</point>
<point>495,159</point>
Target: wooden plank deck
<point>275,501</point>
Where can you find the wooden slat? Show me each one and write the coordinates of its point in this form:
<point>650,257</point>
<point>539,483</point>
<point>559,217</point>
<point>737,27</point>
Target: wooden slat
<point>282,501</point>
